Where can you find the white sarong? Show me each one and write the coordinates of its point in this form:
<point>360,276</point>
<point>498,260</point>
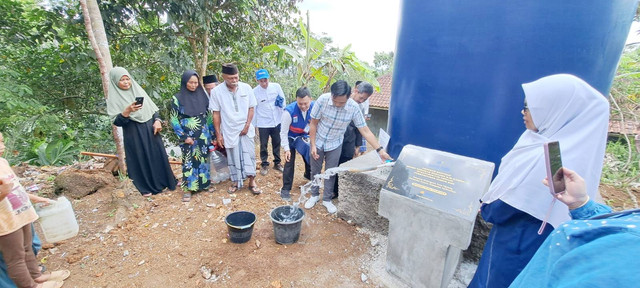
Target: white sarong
<point>242,159</point>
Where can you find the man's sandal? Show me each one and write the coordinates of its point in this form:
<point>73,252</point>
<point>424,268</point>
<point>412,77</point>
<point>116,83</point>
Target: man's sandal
<point>186,197</point>
<point>59,275</point>
<point>51,284</point>
<point>232,189</point>
<point>255,190</point>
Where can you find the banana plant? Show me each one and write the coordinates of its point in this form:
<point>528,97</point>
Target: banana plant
<point>317,62</point>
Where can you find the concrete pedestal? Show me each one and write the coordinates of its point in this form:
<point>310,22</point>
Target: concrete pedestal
<point>431,201</point>
<point>417,251</point>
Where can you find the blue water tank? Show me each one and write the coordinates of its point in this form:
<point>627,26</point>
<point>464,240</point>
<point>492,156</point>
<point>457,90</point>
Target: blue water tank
<point>459,66</point>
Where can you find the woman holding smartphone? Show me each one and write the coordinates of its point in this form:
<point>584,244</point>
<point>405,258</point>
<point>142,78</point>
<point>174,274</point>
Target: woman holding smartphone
<point>560,108</point>
<point>147,162</point>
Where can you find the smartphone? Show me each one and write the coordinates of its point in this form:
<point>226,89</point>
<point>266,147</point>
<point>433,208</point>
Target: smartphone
<point>553,159</point>
<point>139,100</point>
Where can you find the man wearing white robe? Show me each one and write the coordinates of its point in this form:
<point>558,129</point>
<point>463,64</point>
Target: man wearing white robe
<point>233,103</point>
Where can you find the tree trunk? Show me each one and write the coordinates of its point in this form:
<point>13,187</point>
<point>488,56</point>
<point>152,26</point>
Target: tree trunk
<point>98,39</point>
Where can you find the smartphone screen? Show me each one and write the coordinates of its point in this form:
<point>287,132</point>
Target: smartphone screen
<point>139,100</point>
<point>554,169</point>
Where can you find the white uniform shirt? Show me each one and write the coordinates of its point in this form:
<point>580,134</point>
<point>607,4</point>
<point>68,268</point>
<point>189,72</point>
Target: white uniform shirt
<point>234,109</point>
<point>267,114</point>
<point>364,107</point>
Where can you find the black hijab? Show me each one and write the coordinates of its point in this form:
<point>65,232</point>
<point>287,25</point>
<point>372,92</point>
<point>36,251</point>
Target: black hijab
<point>194,102</point>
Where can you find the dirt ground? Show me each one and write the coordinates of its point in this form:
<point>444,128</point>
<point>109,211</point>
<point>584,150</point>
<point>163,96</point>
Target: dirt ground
<point>161,242</point>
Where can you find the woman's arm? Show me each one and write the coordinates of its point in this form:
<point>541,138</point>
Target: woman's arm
<point>576,198</point>
<point>588,210</point>
<point>174,120</point>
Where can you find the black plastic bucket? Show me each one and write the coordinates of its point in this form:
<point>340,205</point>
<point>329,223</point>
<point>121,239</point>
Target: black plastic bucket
<point>287,222</point>
<point>240,226</point>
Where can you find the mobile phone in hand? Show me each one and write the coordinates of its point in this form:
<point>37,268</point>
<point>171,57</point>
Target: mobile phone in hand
<point>139,100</point>
<point>553,160</point>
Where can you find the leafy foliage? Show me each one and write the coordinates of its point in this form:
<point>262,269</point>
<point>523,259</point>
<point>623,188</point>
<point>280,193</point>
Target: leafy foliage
<point>383,63</point>
<point>48,89</point>
<point>55,152</point>
<point>622,165</point>
<point>319,62</point>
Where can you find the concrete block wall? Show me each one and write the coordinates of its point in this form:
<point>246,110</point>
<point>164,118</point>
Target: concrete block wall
<point>359,193</point>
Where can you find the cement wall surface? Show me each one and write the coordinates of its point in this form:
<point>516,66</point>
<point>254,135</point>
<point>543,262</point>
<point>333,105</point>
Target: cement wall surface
<point>359,193</point>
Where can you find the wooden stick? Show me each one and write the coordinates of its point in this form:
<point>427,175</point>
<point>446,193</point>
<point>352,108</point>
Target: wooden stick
<point>114,156</point>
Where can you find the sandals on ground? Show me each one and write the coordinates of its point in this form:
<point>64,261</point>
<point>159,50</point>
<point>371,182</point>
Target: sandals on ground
<point>186,197</point>
<point>232,189</point>
<point>51,284</point>
<point>255,190</point>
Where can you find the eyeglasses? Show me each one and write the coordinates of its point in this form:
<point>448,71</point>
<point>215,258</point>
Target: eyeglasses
<point>525,108</point>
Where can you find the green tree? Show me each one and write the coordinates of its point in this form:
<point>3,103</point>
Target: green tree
<point>51,93</point>
<point>383,63</point>
<point>213,32</point>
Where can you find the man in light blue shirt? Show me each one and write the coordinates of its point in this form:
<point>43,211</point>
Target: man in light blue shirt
<point>330,116</point>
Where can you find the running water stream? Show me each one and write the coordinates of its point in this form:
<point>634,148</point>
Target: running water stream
<point>292,214</point>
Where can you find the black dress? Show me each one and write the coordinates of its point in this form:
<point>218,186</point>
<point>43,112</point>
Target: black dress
<point>147,162</point>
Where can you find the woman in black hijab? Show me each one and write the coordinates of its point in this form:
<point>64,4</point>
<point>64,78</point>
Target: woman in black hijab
<point>194,126</point>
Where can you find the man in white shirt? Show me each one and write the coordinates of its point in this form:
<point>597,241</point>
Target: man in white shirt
<point>271,103</point>
<point>295,138</point>
<point>233,103</point>
<point>364,107</point>
<point>330,116</point>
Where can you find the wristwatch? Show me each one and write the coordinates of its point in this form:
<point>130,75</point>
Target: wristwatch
<point>379,148</point>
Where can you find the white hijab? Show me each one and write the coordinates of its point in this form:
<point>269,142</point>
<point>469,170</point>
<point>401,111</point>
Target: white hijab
<point>566,109</point>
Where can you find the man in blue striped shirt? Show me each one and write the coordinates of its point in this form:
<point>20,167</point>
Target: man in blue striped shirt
<point>330,116</point>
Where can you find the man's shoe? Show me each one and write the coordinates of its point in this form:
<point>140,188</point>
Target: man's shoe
<point>311,202</point>
<point>284,194</point>
<point>264,170</point>
<point>279,167</point>
<point>330,207</point>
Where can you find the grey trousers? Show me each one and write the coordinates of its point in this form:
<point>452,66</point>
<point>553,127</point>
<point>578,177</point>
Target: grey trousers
<point>330,159</point>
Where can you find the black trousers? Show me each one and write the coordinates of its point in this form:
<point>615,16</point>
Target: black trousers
<point>289,168</point>
<point>342,160</point>
<point>265,133</point>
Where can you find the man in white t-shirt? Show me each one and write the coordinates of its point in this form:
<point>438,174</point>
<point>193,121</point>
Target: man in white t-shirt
<point>233,104</point>
<point>271,103</point>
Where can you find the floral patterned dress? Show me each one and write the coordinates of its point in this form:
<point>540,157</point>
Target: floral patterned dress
<point>195,158</point>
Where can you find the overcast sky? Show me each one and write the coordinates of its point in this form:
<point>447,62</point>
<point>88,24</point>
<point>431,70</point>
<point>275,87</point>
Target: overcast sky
<point>368,25</point>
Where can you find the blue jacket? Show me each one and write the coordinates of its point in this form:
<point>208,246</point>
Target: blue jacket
<point>298,124</point>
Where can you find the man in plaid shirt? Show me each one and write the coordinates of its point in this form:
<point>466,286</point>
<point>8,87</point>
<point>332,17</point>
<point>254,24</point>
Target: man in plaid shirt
<point>330,116</point>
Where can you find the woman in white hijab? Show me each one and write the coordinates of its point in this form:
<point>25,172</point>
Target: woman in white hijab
<point>147,162</point>
<point>560,108</point>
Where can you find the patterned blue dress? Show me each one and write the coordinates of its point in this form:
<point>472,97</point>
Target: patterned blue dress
<point>195,158</point>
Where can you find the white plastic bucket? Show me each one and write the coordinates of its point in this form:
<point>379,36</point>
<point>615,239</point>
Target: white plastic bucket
<point>58,221</point>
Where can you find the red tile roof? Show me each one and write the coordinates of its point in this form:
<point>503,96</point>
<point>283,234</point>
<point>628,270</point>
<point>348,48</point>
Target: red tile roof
<point>615,126</point>
<point>380,99</point>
